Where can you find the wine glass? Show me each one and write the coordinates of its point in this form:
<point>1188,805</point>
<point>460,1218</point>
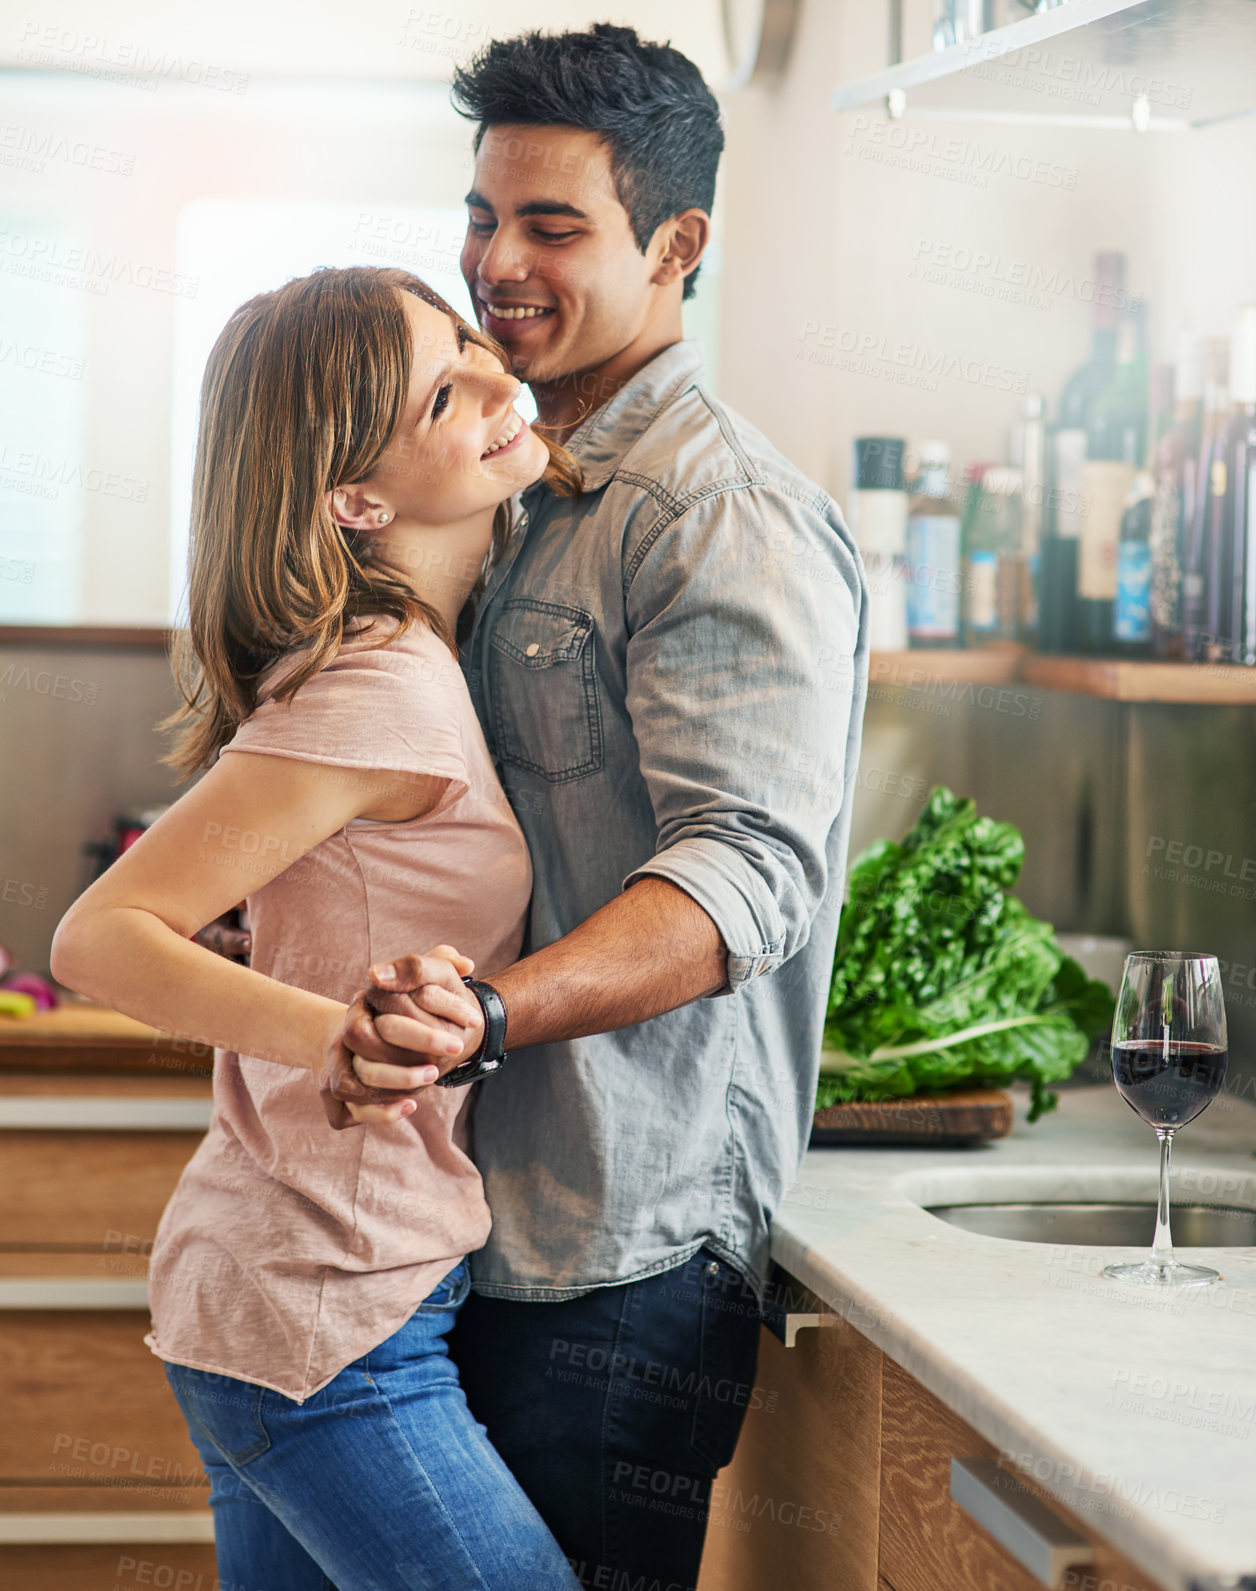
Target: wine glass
<point>1168,1062</point>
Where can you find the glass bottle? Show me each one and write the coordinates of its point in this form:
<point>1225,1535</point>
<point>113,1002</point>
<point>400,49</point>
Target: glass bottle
<point>933,554</point>
<point>1205,525</point>
<point>1065,454</point>
<point>1241,473</point>
<point>1132,614</point>
<point>879,522</point>
<point>1028,444</point>
<point>1116,432</point>
<point>1176,460</point>
<point>991,539</point>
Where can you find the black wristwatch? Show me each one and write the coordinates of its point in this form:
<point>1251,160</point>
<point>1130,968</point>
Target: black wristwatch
<point>492,1052</point>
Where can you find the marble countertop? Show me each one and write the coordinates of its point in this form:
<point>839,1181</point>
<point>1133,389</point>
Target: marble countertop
<point>1135,1408</point>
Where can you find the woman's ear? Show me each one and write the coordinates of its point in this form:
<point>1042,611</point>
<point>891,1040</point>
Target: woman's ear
<point>353,508</point>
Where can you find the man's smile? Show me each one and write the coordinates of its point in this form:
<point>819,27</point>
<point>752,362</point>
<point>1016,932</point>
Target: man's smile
<point>511,314</point>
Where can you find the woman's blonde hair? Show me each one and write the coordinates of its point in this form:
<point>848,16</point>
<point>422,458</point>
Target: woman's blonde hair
<point>302,393</point>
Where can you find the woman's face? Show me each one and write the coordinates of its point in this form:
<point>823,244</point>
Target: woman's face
<point>460,449</point>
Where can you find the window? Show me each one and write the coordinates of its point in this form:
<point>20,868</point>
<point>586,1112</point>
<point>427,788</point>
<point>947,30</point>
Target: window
<point>43,471</point>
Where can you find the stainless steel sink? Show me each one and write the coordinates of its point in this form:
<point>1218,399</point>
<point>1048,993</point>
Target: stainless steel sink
<point>1105,1225</point>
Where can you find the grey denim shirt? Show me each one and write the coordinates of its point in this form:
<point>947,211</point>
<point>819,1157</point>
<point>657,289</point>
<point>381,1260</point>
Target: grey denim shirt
<point>670,672</point>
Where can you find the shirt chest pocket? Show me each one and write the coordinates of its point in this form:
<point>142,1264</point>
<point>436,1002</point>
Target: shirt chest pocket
<point>546,713</point>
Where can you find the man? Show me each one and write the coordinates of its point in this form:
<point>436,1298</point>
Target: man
<point>670,671</point>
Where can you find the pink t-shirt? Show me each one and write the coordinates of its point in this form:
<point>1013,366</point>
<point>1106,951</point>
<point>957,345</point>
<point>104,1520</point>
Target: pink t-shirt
<point>289,1249</point>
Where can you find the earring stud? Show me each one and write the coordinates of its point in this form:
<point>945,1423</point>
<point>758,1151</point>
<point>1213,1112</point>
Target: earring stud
<point>382,517</point>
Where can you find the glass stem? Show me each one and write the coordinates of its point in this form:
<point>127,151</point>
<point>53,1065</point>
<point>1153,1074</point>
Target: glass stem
<point>1162,1244</point>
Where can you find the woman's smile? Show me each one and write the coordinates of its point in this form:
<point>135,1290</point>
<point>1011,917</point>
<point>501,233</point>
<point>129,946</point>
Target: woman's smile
<point>508,437</point>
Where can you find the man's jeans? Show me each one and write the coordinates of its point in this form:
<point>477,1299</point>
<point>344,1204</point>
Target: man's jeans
<point>379,1482</point>
<point>614,1410</point>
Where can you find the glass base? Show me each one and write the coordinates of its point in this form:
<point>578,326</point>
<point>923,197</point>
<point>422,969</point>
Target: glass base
<point>1161,1273</point>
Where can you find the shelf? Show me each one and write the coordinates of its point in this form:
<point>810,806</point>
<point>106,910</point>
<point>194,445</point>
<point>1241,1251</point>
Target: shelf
<point>1116,680</point>
<point>1108,679</point>
<point>919,669</point>
<point>99,637</point>
<point>1136,65</point>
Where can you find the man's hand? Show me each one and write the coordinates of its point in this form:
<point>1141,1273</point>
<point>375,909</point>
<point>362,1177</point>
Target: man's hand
<point>414,1023</point>
<point>225,937</point>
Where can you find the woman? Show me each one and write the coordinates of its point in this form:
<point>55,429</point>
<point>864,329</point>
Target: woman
<point>358,443</point>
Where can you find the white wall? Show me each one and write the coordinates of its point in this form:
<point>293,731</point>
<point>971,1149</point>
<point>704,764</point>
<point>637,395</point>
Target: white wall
<point>373,39</point>
<point>830,219</point>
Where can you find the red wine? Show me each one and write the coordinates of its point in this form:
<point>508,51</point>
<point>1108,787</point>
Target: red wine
<point>1167,1092</point>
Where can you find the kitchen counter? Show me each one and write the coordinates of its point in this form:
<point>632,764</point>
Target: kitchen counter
<point>1135,1409</point>
<point>80,1037</point>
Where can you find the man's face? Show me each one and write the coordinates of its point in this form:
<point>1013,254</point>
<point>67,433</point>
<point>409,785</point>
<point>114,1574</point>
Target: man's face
<point>549,257</point>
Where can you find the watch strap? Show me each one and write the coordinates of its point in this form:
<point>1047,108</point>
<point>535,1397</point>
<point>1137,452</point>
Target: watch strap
<point>492,1051</point>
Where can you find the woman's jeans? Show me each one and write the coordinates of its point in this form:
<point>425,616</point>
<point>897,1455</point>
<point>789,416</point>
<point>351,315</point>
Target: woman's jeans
<point>382,1481</point>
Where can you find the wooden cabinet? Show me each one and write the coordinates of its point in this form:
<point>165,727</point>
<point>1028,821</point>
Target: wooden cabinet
<point>94,1192</point>
<point>100,1487</point>
<point>927,1542</point>
<point>100,1566</point>
<point>86,1401</point>
<point>798,1505</point>
<point>842,1478</point>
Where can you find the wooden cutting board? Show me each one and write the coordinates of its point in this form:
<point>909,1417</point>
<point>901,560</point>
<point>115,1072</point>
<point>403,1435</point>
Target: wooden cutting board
<point>965,1116</point>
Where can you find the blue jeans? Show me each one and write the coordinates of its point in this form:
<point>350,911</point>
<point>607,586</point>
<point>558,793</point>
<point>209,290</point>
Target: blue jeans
<point>382,1481</point>
<point>616,1409</point>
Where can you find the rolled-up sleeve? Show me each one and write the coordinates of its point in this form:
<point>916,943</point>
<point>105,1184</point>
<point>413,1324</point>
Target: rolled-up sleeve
<point>743,669</point>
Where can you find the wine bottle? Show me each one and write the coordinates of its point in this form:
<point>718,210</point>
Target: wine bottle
<point>933,554</point>
<point>1057,569</point>
<point>1027,449</point>
<point>1116,431</point>
<point>1131,622</point>
<point>1065,453</point>
<point>1201,564</point>
<point>1176,460</point>
<point>1241,473</point>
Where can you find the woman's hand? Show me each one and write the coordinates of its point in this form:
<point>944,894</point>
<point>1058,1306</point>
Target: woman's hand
<point>416,1007</point>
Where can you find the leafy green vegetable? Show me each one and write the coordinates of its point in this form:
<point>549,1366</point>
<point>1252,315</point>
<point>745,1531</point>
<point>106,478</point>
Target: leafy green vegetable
<point>943,979</point>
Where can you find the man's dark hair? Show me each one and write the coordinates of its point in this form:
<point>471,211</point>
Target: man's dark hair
<point>648,102</point>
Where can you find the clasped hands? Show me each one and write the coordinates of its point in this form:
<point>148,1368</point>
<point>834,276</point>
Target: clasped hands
<point>413,1023</point>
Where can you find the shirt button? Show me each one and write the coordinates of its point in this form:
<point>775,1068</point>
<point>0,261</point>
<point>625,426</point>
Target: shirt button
<point>533,649</point>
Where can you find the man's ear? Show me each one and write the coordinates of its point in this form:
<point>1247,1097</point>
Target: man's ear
<point>682,242</point>
<point>354,508</point>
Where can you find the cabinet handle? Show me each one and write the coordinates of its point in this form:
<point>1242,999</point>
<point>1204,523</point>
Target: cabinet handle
<point>785,1326</point>
<point>1022,1525</point>
<point>72,1292</point>
<point>66,1112</point>
<point>49,1528</point>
